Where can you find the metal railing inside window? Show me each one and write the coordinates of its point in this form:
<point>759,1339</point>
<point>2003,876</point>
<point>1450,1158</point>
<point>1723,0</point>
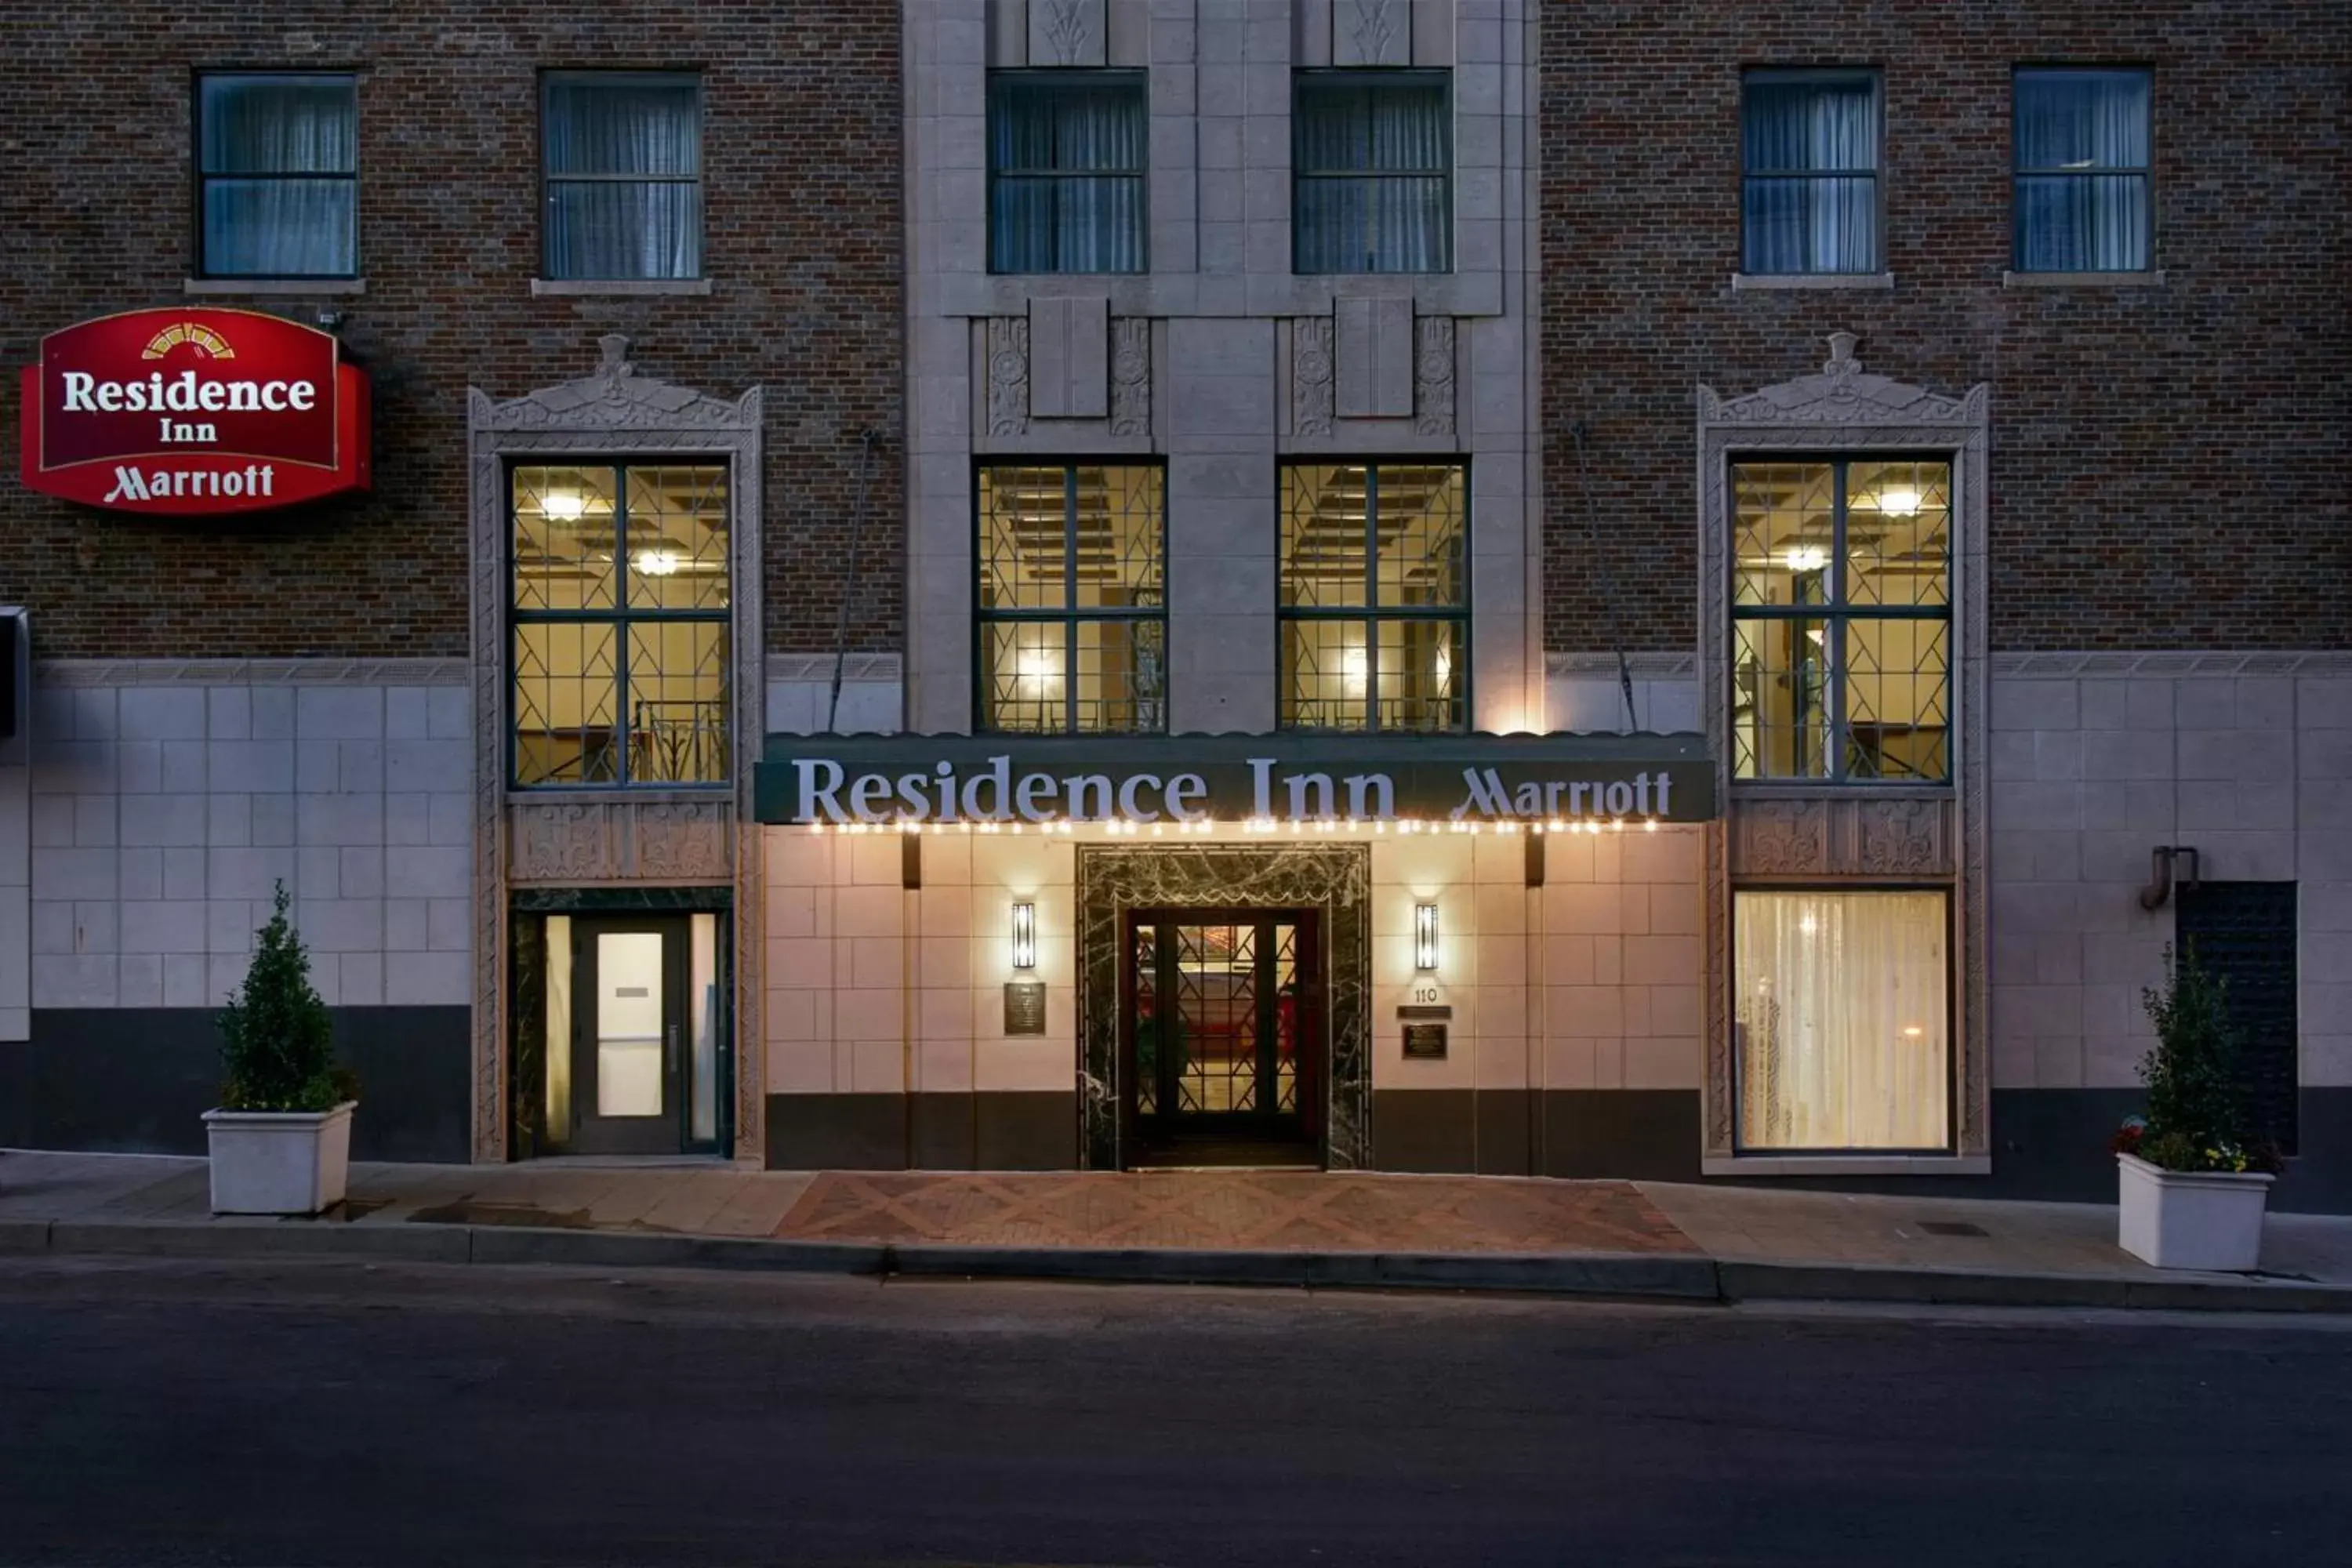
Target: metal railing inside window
<point>1371,173</point>
<point>1375,600</point>
<point>622,176</point>
<point>1073,598</point>
<point>1841,620</point>
<point>1068,153</point>
<point>2081,141</point>
<point>621,584</point>
<point>1810,155</point>
<point>278,177</point>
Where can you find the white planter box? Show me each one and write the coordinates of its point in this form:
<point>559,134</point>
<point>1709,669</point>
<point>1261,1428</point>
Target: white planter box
<point>2190,1219</point>
<point>279,1162</point>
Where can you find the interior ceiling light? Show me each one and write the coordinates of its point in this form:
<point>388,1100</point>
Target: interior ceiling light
<point>658,563</point>
<point>563,506</point>
<point>1806,558</point>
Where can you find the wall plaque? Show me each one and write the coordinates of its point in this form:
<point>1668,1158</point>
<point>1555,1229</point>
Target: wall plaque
<point>1427,1013</point>
<point>1024,1007</point>
<point>1424,1042</point>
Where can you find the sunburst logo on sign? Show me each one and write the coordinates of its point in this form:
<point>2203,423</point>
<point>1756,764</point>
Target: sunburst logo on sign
<point>202,339</point>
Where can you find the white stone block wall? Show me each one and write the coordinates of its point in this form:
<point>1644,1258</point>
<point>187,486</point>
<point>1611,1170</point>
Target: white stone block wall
<point>163,814</point>
<point>2096,760</point>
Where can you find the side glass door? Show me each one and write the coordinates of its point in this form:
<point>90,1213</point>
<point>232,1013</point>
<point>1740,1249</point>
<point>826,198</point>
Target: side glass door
<point>628,1035</point>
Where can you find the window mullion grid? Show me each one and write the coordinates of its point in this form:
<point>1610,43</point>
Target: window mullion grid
<point>621,644</point>
<point>1834,640</point>
<point>1373,597</point>
<point>1070,600</point>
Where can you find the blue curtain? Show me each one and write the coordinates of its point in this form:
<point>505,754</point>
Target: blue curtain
<point>261,138</point>
<point>1068,159</point>
<point>624,179</point>
<point>2072,214</point>
<point>1372,167</point>
<point>1812,202</point>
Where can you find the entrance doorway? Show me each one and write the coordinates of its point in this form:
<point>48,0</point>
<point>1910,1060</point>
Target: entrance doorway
<point>1221,1032</point>
<point>642,1054</point>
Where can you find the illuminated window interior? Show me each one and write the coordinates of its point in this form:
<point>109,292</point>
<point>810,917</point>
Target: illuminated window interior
<point>1375,596</point>
<point>620,624</point>
<point>1073,599</point>
<point>1841,619</point>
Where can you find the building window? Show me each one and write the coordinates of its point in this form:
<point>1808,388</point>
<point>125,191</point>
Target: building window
<point>2081,142</point>
<point>278,177</point>
<point>1375,597</point>
<point>1073,621</point>
<point>624,186</point>
<point>1371,173</point>
<point>1067,155</point>
<point>1841,619</point>
<point>621,589</point>
<point>1810,146</point>
<point>1843,1020</point>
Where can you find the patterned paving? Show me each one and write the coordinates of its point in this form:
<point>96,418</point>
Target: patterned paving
<point>1272,1211</point>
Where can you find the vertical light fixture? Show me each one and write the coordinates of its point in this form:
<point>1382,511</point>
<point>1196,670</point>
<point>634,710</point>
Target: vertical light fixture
<point>1424,936</point>
<point>1025,936</point>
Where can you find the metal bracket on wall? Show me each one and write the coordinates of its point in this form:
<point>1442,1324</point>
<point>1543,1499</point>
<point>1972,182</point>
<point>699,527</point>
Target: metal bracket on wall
<point>2166,857</point>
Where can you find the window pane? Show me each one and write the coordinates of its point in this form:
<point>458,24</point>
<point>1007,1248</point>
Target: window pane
<point>678,538</point>
<point>1392,142</point>
<point>567,535</point>
<point>1023,534</point>
<point>1784,530</point>
<point>1122,530</point>
<point>1779,700</point>
<point>1898,534</point>
<point>1326,536</point>
<point>1805,127</point>
<point>1421,670</point>
<point>623,126</point>
<point>2081,120</point>
<point>1024,677</point>
<point>566,700</point>
<point>281,228</point>
<point>278,125</point>
<point>1068,159</point>
<point>2081,223</point>
<point>1420,538</point>
<point>1897,698</point>
<point>1843,1020</point>
<point>1820,129</point>
<point>624,228</point>
<point>1812,225</point>
<point>1122,675</point>
<point>1326,676</point>
<point>678,702</point>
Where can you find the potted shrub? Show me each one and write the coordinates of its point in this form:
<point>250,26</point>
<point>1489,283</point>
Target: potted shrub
<point>2191,1188</point>
<point>281,1138</point>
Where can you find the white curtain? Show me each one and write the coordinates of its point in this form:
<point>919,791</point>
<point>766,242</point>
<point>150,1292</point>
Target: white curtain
<point>1371,165</point>
<point>2070,218</point>
<point>1843,1019</point>
<point>1068,193</point>
<point>1812,222</point>
<point>624,191</point>
<point>259,138</point>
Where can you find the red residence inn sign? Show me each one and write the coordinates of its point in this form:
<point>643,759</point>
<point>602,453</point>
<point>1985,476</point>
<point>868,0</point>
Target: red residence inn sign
<point>193,412</point>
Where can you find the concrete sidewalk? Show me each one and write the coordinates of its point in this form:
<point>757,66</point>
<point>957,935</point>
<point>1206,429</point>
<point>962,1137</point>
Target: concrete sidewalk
<point>1608,1238</point>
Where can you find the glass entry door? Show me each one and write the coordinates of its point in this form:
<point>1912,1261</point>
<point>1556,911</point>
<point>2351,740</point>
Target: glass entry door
<point>630,1022</point>
<point>1224,1036</point>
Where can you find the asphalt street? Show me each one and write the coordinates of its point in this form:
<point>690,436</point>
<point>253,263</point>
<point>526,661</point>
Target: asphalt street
<point>264,1413</point>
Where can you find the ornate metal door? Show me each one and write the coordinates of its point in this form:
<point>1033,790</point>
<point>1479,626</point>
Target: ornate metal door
<point>1223,1027</point>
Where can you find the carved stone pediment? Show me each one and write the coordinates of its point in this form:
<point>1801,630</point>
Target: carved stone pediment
<point>1843,394</point>
<point>616,397</point>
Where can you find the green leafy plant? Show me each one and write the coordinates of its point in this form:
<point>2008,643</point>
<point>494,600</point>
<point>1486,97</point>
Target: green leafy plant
<point>2193,1122</point>
<point>277,1041</point>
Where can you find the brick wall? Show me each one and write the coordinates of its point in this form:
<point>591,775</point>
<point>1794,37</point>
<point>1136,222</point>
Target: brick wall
<point>2168,464</point>
<point>802,244</point>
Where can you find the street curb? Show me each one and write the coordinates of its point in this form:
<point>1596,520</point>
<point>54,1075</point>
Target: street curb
<point>1685,1278</point>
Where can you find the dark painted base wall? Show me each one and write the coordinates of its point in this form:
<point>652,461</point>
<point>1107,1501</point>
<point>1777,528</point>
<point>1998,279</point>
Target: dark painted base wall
<point>987,1131</point>
<point>2048,1144</point>
<point>137,1081</point>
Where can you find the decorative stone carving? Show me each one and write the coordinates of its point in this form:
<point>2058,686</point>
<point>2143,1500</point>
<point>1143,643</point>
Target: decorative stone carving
<point>1433,376</point>
<point>1310,375</point>
<point>1065,32</point>
<point>1782,837</point>
<point>1130,376</point>
<point>1372,33</point>
<point>1900,838</point>
<point>566,841</point>
<point>1008,376</point>
<point>682,841</point>
<point>615,398</point>
<point>1843,394</point>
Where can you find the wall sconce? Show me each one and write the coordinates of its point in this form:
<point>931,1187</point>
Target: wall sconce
<point>1424,936</point>
<point>1025,936</point>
